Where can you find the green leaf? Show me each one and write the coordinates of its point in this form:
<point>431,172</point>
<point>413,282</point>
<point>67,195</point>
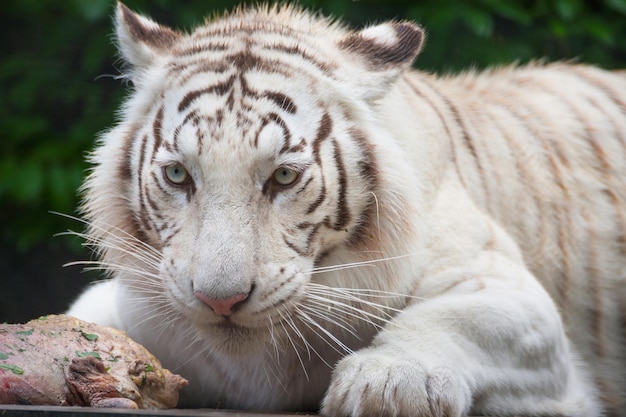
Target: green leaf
<point>89,336</point>
<point>3,356</point>
<point>86,354</point>
<point>13,368</point>
<point>25,332</point>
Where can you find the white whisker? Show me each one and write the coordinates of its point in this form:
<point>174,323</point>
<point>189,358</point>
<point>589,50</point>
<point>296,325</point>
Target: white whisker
<point>332,318</point>
<point>332,268</point>
<point>309,320</point>
<point>289,321</point>
<point>108,233</point>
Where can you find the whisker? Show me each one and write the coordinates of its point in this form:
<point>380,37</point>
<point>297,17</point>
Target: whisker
<point>102,265</point>
<point>288,321</point>
<point>377,213</point>
<point>331,268</point>
<point>125,246</point>
<point>333,338</point>
<point>332,318</point>
<point>324,301</point>
<point>107,232</point>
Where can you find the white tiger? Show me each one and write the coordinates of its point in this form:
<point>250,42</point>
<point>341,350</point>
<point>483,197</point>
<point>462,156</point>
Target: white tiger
<point>295,220</point>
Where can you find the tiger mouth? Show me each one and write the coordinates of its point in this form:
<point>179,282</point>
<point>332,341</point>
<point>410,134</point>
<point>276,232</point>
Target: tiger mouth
<point>227,324</point>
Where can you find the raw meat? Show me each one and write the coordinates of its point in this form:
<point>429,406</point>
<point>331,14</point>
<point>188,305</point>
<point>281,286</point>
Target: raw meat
<point>60,360</point>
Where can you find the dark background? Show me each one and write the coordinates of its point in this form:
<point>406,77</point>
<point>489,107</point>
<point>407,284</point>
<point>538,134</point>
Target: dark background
<point>58,90</point>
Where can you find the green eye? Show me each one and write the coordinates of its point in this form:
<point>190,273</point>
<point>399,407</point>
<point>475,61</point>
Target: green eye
<point>176,174</point>
<point>285,176</point>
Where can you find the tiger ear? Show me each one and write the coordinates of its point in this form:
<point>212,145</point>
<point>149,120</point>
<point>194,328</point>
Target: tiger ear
<point>140,40</point>
<point>383,51</point>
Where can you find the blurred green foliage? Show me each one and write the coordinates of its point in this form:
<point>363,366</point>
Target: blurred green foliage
<point>58,87</point>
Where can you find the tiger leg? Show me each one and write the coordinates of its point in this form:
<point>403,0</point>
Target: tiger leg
<point>486,347</point>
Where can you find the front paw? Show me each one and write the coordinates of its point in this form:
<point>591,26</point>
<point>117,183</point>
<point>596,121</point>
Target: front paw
<point>377,384</point>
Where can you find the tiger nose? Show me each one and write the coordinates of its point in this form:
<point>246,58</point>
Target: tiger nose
<point>223,306</point>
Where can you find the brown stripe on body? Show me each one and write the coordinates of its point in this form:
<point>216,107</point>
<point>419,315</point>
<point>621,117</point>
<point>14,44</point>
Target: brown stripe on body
<point>442,119</point>
<point>592,268</point>
<point>469,143</point>
<point>616,97</point>
<point>593,276</point>
<point>526,178</point>
<point>564,222</point>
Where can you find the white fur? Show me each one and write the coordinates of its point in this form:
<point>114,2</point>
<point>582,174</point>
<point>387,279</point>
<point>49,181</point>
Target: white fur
<point>445,306</point>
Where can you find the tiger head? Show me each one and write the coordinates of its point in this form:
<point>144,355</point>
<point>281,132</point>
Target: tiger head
<point>247,157</point>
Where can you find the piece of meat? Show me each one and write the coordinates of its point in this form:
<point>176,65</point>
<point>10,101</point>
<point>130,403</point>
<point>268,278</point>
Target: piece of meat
<point>60,360</point>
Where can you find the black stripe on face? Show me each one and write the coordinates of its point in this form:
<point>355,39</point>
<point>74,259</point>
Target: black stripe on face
<point>157,128</point>
<point>319,200</point>
<point>343,213</point>
<point>362,233</point>
<point>274,118</point>
<point>282,101</point>
<point>220,89</point>
<point>125,166</point>
<point>297,50</point>
<point>323,132</point>
<point>293,247</point>
<point>143,221</point>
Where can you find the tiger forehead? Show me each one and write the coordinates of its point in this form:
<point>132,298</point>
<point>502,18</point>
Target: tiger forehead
<point>256,40</point>
<point>272,123</point>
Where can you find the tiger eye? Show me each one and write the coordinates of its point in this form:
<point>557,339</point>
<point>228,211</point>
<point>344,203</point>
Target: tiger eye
<point>285,176</point>
<point>176,174</point>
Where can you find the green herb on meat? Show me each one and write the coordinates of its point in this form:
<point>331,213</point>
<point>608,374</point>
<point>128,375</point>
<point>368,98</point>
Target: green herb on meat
<point>25,332</point>
<point>15,369</point>
<point>85,354</point>
<point>89,336</point>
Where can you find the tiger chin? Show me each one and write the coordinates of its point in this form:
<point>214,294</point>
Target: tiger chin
<point>294,219</point>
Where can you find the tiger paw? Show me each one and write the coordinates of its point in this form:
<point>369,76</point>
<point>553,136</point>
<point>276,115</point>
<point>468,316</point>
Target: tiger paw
<point>377,384</point>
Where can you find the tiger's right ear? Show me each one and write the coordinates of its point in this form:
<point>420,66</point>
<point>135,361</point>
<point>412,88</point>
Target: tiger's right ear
<point>381,53</point>
<point>141,40</point>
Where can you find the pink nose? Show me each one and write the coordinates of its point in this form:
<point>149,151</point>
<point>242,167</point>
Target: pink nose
<point>223,306</point>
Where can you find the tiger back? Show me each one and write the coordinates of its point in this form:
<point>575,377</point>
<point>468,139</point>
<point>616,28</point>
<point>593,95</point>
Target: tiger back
<point>295,220</point>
